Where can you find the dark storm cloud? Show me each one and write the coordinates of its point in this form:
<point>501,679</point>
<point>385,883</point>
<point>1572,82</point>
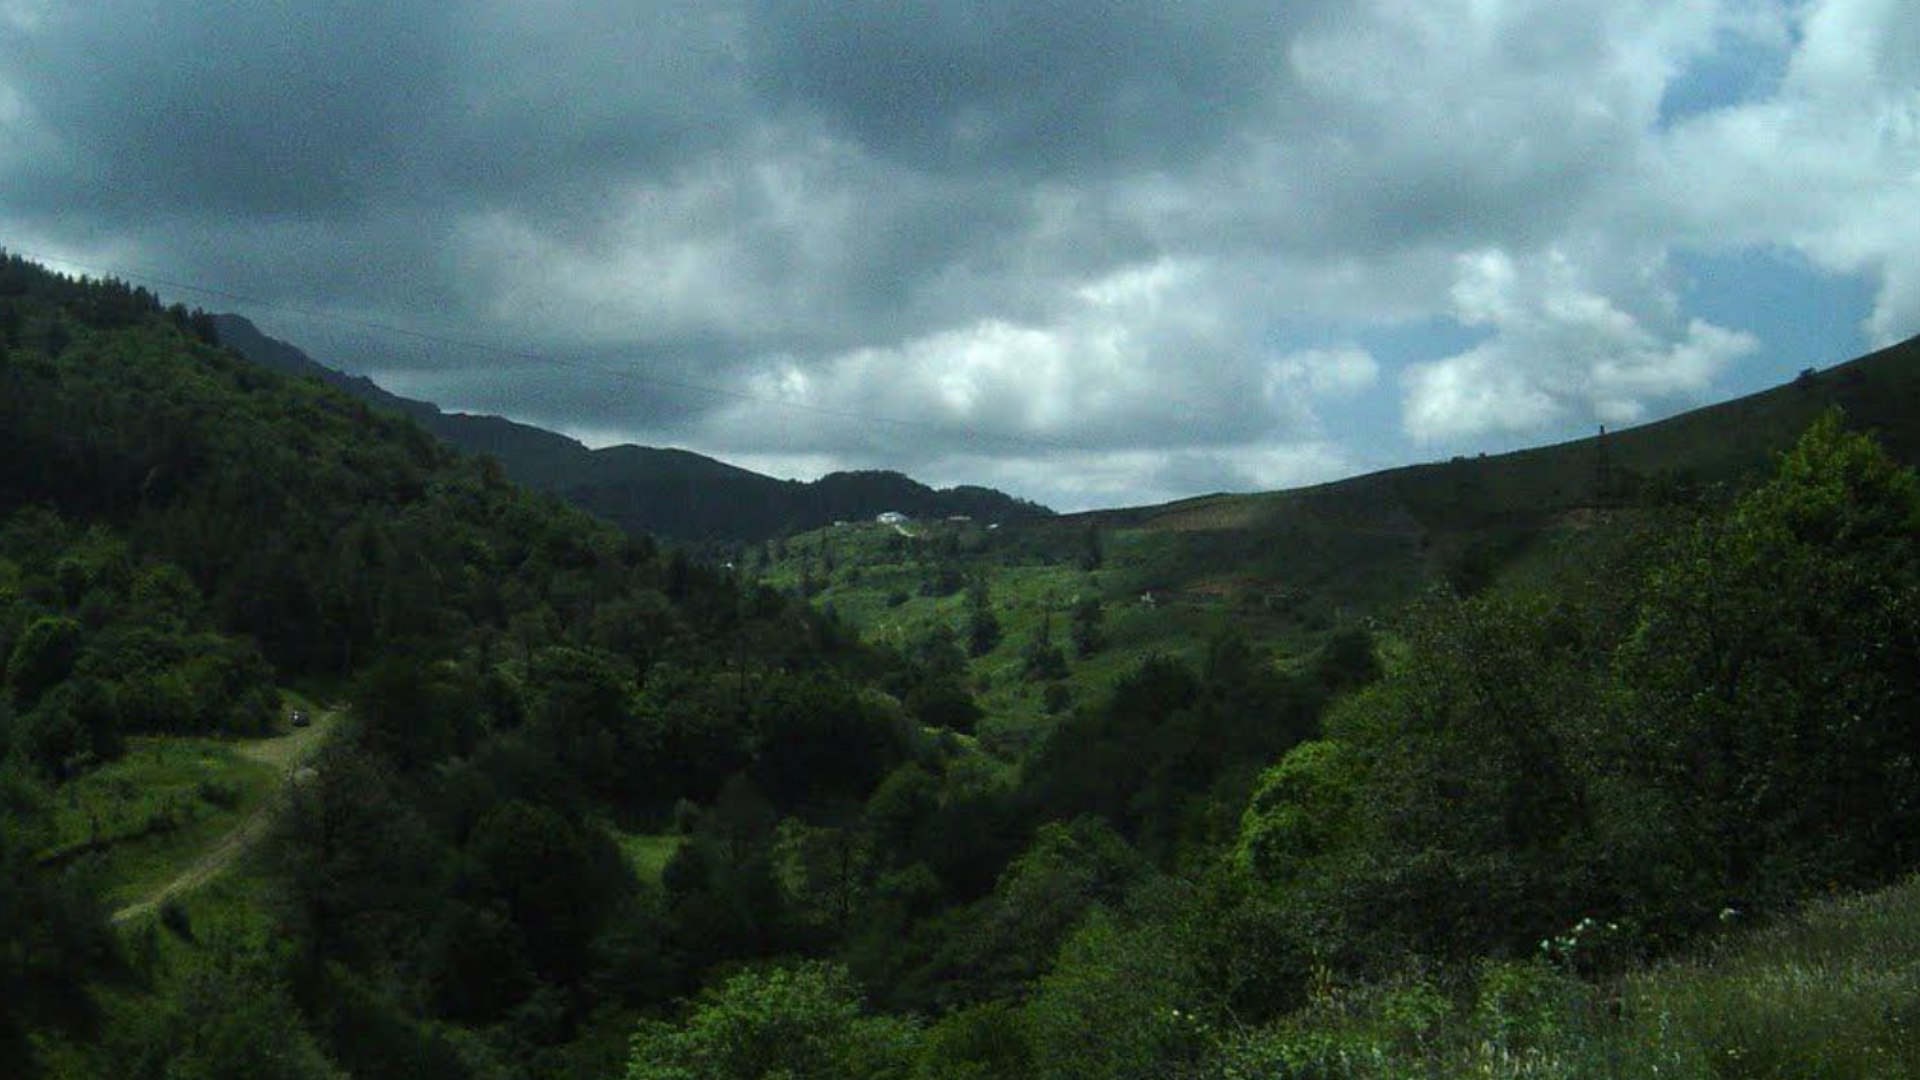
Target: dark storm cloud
<point>1036,89</point>
<point>330,155</point>
<point>323,111</point>
<point>267,109</point>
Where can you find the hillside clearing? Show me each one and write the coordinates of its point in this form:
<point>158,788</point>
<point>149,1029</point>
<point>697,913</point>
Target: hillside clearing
<point>283,754</point>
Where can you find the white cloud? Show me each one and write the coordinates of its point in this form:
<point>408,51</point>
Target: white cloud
<point>1559,351</point>
<point>1828,164</point>
<point>1144,354</point>
<point>1297,381</point>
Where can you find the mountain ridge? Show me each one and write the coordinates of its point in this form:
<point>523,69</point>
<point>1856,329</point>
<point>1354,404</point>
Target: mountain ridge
<point>670,492</point>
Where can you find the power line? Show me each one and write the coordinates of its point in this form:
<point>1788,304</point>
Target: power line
<point>548,359</point>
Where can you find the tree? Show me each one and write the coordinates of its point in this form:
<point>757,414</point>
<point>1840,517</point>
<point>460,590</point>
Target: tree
<point>1303,809</point>
<point>582,703</point>
<point>983,629</point>
<point>1067,869</point>
<point>1088,635</point>
<point>477,962</point>
<point>724,899</point>
<point>543,872</point>
<point>798,1022</point>
<point>233,1020</point>
<point>824,873</point>
<point>404,713</point>
<point>54,934</point>
<point>1092,556</point>
<point>817,742</point>
<point>1042,660</point>
<point>1347,659</point>
<point>1119,1004</point>
<point>1770,688</point>
<point>943,702</point>
<point>352,864</point>
<point>43,656</point>
<point>1445,812</point>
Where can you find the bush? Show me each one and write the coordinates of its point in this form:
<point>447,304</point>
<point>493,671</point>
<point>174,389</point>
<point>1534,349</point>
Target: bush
<point>173,916</point>
<point>802,1022</point>
<point>221,793</point>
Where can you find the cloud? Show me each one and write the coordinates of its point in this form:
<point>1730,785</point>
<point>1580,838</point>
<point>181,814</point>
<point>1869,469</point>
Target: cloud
<point>1036,91</point>
<point>1151,355</point>
<point>1337,372</point>
<point>1558,351</point>
<point>1827,164</point>
<point>1164,242</point>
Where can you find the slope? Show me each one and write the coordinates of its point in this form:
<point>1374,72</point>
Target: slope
<point>286,753</point>
<point>182,531</point>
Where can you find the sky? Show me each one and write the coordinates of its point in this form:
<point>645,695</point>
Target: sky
<point>1094,254</point>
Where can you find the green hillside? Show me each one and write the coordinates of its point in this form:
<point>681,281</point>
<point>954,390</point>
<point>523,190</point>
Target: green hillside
<point>182,534</point>
<point>1211,790</point>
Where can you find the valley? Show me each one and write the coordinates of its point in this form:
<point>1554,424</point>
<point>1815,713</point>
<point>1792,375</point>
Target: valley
<point>1590,757</point>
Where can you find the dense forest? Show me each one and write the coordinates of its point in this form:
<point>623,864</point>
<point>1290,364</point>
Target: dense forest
<point>594,809</point>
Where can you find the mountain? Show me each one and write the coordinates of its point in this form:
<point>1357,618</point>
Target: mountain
<point>676,494</point>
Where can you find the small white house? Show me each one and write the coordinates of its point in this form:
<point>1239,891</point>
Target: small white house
<point>892,517</point>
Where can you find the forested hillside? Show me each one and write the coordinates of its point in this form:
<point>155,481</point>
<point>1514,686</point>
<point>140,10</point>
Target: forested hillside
<point>593,811</point>
<point>182,532</point>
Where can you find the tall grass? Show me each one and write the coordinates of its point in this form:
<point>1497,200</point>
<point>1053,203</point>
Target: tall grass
<point>155,809</point>
<point>1833,992</point>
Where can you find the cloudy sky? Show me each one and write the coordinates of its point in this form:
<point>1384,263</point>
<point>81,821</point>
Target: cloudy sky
<point>1094,253</point>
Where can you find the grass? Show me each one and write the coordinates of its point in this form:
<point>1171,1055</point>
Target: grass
<point>875,579</point>
<point>157,807</point>
<point>169,800</point>
<point>227,917</point>
<point>1832,992</point>
<point>648,854</point>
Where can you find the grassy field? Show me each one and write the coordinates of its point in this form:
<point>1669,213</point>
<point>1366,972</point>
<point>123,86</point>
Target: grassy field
<point>1832,992</point>
<point>648,854</point>
<point>152,811</point>
<point>899,585</point>
<point>164,808</point>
